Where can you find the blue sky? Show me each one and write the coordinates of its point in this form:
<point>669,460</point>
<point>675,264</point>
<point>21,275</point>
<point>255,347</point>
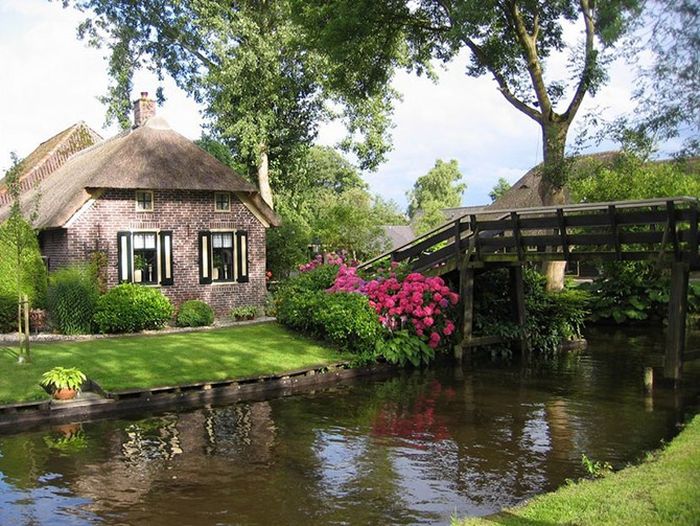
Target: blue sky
<point>51,80</point>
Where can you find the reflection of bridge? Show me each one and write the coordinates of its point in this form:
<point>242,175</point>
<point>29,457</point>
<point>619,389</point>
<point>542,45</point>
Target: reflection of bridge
<point>662,231</point>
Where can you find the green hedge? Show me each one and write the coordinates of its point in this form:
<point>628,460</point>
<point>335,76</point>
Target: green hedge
<point>132,308</point>
<point>194,313</point>
<point>8,313</point>
<point>71,299</point>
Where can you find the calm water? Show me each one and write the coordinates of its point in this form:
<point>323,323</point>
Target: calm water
<point>415,448</point>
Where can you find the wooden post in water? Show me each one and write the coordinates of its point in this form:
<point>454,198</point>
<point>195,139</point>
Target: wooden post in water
<point>677,310</point>
<point>517,287</point>
<point>466,294</point>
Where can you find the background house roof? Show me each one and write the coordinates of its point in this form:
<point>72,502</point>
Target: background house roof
<point>51,155</point>
<point>152,156</point>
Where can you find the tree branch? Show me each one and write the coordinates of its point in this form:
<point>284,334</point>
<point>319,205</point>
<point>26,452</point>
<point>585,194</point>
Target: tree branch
<point>587,66</point>
<point>528,44</point>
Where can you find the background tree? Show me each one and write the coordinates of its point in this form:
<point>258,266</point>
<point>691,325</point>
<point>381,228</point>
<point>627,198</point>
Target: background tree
<point>329,205</point>
<point>263,92</point>
<point>508,39</point>
<point>22,270</point>
<point>500,188</point>
<point>438,189</point>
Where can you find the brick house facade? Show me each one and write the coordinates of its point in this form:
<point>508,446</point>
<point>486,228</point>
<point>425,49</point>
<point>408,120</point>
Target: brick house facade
<point>163,212</point>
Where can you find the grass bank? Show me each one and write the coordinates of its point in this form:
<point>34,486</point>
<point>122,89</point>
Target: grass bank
<point>664,489</point>
<point>158,360</point>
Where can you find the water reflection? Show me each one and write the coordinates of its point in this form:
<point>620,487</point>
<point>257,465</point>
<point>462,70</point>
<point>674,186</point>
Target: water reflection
<point>415,448</point>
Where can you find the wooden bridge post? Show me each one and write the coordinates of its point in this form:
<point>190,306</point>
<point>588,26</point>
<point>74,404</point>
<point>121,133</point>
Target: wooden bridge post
<point>677,310</point>
<point>466,294</point>
<point>517,287</point>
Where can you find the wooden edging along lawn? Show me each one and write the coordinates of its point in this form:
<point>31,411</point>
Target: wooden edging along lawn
<point>20,417</point>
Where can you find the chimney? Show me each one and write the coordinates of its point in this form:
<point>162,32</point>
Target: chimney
<point>144,109</point>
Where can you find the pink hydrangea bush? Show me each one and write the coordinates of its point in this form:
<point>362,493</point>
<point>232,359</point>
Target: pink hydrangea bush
<point>330,258</point>
<point>422,305</point>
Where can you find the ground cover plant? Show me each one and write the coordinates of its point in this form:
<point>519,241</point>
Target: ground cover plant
<point>168,359</point>
<point>665,489</point>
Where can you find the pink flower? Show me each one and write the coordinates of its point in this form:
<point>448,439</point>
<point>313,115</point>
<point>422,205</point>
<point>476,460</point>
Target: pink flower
<point>428,321</point>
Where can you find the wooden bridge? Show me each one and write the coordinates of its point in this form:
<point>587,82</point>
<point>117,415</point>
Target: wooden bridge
<point>662,231</point>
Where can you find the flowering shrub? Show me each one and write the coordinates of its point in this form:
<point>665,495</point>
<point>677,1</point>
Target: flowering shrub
<point>417,303</point>
<point>331,259</point>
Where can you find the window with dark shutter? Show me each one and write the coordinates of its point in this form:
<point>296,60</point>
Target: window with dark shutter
<point>242,255</point>
<point>166,257</point>
<point>124,257</point>
<point>205,266</point>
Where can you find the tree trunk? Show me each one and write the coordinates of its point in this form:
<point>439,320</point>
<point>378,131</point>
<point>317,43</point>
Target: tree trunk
<point>264,176</point>
<point>554,174</point>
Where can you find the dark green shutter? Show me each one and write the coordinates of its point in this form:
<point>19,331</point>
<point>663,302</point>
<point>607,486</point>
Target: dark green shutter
<point>242,255</point>
<point>166,257</point>
<point>124,255</point>
<point>205,266</point>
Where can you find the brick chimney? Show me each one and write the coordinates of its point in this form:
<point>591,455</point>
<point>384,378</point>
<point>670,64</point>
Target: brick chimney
<point>144,109</point>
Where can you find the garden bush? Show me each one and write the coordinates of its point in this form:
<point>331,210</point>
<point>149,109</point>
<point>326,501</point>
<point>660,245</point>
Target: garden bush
<point>132,308</point>
<point>71,299</point>
<point>248,312</point>
<point>194,313</point>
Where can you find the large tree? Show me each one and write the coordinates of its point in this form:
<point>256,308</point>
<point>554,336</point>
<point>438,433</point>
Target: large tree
<point>264,93</point>
<point>508,39</point>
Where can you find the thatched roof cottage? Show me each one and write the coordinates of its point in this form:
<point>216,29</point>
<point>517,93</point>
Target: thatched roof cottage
<point>163,211</point>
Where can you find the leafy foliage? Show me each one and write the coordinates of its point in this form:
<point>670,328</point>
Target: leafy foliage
<point>248,312</point>
<point>552,317</point>
<point>403,347</point>
<point>500,188</point>
<point>194,313</point>
<point>630,177</point>
<point>72,298</point>
<point>439,188</point>
<point>63,378</point>
<point>131,308</point>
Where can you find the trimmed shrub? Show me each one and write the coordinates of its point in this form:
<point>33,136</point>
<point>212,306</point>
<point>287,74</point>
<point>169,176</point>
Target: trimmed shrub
<point>8,313</point>
<point>132,308</point>
<point>194,313</point>
<point>71,299</point>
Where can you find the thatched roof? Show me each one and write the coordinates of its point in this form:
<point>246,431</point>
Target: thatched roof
<point>525,192</point>
<point>150,157</point>
<point>398,235</point>
<point>52,154</point>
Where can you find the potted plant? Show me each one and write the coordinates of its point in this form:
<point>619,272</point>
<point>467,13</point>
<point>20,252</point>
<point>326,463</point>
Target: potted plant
<point>64,382</point>
<point>218,267</point>
<point>140,265</point>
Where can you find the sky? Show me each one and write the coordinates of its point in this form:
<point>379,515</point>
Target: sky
<point>50,80</point>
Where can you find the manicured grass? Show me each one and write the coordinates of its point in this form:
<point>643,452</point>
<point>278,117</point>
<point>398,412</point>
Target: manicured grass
<point>170,359</point>
<point>665,489</point>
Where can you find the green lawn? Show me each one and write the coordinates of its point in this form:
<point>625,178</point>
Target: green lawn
<point>663,490</point>
<point>169,359</point>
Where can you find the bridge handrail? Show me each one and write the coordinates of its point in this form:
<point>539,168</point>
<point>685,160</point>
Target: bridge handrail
<point>504,213</point>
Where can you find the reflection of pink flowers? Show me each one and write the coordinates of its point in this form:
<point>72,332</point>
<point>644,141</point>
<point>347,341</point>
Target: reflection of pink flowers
<point>417,303</point>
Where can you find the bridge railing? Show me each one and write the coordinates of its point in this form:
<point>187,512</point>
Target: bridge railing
<point>622,230</point>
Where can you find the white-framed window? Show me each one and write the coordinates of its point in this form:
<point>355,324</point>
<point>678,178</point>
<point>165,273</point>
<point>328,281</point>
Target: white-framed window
<point>144,200</point>
<point>145,257</point>
<point>223,256</point>
<point>222,201</point>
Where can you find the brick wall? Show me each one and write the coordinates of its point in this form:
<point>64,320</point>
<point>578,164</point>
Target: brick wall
<point>185,214</point>
<point>54,245</point>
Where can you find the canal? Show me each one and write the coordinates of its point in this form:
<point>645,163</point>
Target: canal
<point>415,448</point>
